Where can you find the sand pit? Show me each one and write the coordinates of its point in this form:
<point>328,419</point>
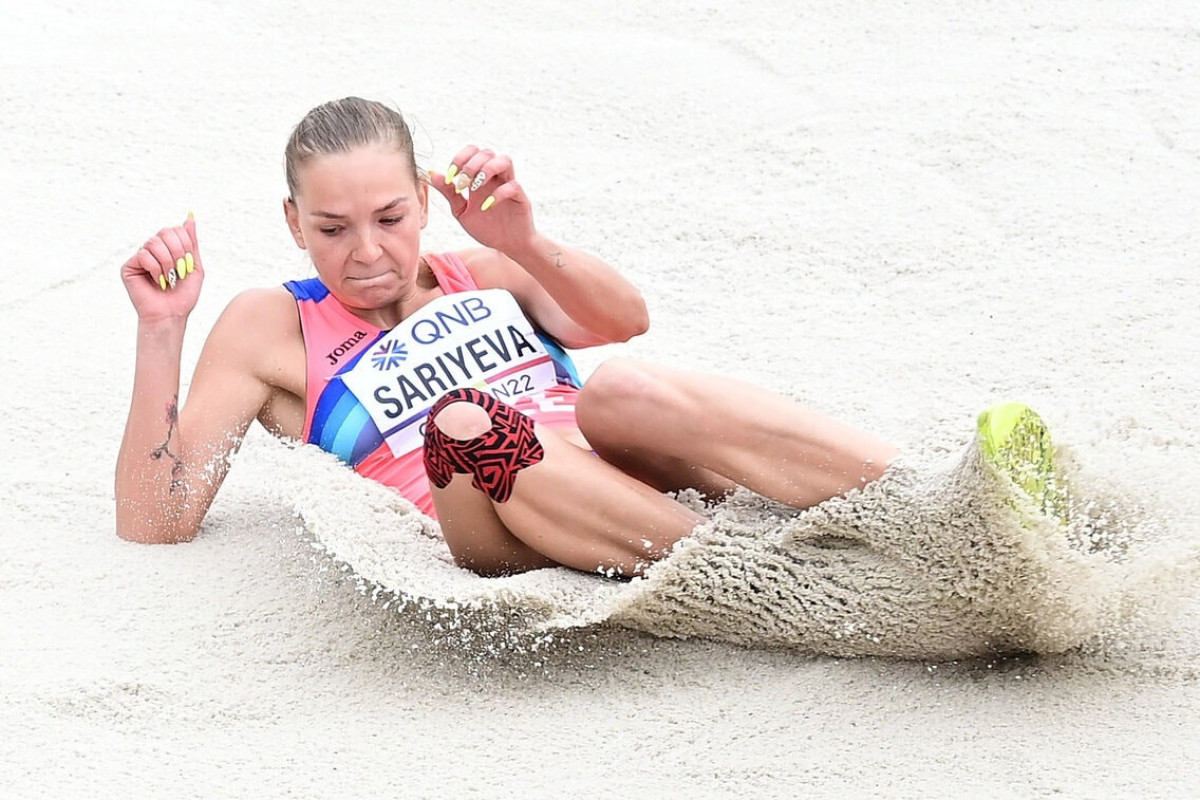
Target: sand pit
<point>898,215</point>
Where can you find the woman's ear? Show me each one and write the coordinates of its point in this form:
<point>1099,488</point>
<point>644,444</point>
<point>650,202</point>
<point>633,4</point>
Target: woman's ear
<point>292,215</point>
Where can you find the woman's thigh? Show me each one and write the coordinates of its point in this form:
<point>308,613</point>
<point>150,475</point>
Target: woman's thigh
<point>569,508</point>
<point>678,428</point>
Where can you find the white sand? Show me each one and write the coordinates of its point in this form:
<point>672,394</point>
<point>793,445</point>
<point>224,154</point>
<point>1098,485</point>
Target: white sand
<point>896,213</point>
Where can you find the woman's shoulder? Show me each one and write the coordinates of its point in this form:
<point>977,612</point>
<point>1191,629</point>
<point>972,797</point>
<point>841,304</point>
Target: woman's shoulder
<point>261,305</point>
<point>258,316</point>
<point>454,270</point>
<point>488,268</point>
<point>478,260</point>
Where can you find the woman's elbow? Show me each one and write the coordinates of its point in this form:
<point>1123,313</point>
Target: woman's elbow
<point>155,537</point>
<point>149,533</point>
<point>636,322</point>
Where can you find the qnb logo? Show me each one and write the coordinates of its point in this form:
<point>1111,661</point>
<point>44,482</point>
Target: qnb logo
<point>345,347</point>
<point>389,355</point>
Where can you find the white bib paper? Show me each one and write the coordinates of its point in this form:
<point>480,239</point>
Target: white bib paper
<point>479,339</point>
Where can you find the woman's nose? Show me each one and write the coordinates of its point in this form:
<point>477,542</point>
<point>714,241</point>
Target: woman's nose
<point>367,249</point>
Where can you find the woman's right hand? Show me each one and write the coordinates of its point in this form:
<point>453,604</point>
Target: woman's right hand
<point>163,278</point>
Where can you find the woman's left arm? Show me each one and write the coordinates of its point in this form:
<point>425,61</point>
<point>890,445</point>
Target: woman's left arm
<point>574,296</point>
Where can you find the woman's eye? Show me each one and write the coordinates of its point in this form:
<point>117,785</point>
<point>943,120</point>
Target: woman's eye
<point>391,220</point>
<point>331,231</point>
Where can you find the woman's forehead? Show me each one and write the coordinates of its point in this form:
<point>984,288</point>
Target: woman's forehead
<point>361,174</point>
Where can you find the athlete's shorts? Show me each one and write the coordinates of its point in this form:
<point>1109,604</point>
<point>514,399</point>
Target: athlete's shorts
<point>554,408</point>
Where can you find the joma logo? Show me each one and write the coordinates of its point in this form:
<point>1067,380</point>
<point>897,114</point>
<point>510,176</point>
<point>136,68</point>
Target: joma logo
<point>345,347</point>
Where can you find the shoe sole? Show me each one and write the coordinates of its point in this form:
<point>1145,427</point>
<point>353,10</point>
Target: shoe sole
<point>1016,442</point>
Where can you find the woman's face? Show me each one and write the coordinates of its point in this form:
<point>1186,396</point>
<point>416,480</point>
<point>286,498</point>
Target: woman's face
<point>359,215</point>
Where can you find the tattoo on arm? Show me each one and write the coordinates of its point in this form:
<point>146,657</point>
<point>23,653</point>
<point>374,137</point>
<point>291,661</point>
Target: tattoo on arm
<point>164,449</point>
<point>557,256</point>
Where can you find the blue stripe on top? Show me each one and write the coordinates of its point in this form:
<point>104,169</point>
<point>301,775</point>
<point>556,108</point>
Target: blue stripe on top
<point>340,424</point>
<point>308,289</point>
<point>564,367</point>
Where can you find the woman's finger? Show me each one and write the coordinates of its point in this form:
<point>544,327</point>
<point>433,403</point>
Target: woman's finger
<point>494,172</point>
<point>456,167</point>
<point>158,248</point>
<point>193,246</point>
<point>166,272</point>
<point>171,238</point>
<point>154,266</point>
<point>468,178</point>
<point>462,157</point>
<point>175,238</point>
<point>447,190</point>
<point>509,192</point>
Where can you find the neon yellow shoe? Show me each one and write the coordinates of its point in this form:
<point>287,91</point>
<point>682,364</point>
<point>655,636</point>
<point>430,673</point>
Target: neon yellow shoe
<point>1016,443</point>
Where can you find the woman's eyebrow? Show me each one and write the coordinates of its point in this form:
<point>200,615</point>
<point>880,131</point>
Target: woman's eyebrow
<point>402,200</point>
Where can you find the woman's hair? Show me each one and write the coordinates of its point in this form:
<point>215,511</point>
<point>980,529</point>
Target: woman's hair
<point>342,125</point>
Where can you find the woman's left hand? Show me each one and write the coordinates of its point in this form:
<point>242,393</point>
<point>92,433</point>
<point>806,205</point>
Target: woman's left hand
<point>486,199</point>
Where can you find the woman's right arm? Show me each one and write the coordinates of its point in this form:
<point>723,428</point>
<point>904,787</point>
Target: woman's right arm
<point>172,458</point>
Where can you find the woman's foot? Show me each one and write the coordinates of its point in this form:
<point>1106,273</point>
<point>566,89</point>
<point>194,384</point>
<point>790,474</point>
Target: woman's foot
<point>1016,443</point>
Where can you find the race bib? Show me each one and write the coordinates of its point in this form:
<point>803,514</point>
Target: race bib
<point>479,339</point>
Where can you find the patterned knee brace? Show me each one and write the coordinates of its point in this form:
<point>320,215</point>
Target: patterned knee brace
<point>494,458</point>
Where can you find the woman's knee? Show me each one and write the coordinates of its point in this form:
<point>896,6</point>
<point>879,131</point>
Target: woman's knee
<point>508,444</point>
<point>462,421</point>
<point>619,390</point>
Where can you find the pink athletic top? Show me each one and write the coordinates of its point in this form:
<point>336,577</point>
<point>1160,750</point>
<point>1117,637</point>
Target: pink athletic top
<point>335,340</point>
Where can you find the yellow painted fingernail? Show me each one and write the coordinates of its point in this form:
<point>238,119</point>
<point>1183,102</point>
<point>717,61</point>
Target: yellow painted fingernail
<point>491,200</point>
<point>189,262</point>
<point>450,173</point>
<point>162,282</point>
<point>180,267</point>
